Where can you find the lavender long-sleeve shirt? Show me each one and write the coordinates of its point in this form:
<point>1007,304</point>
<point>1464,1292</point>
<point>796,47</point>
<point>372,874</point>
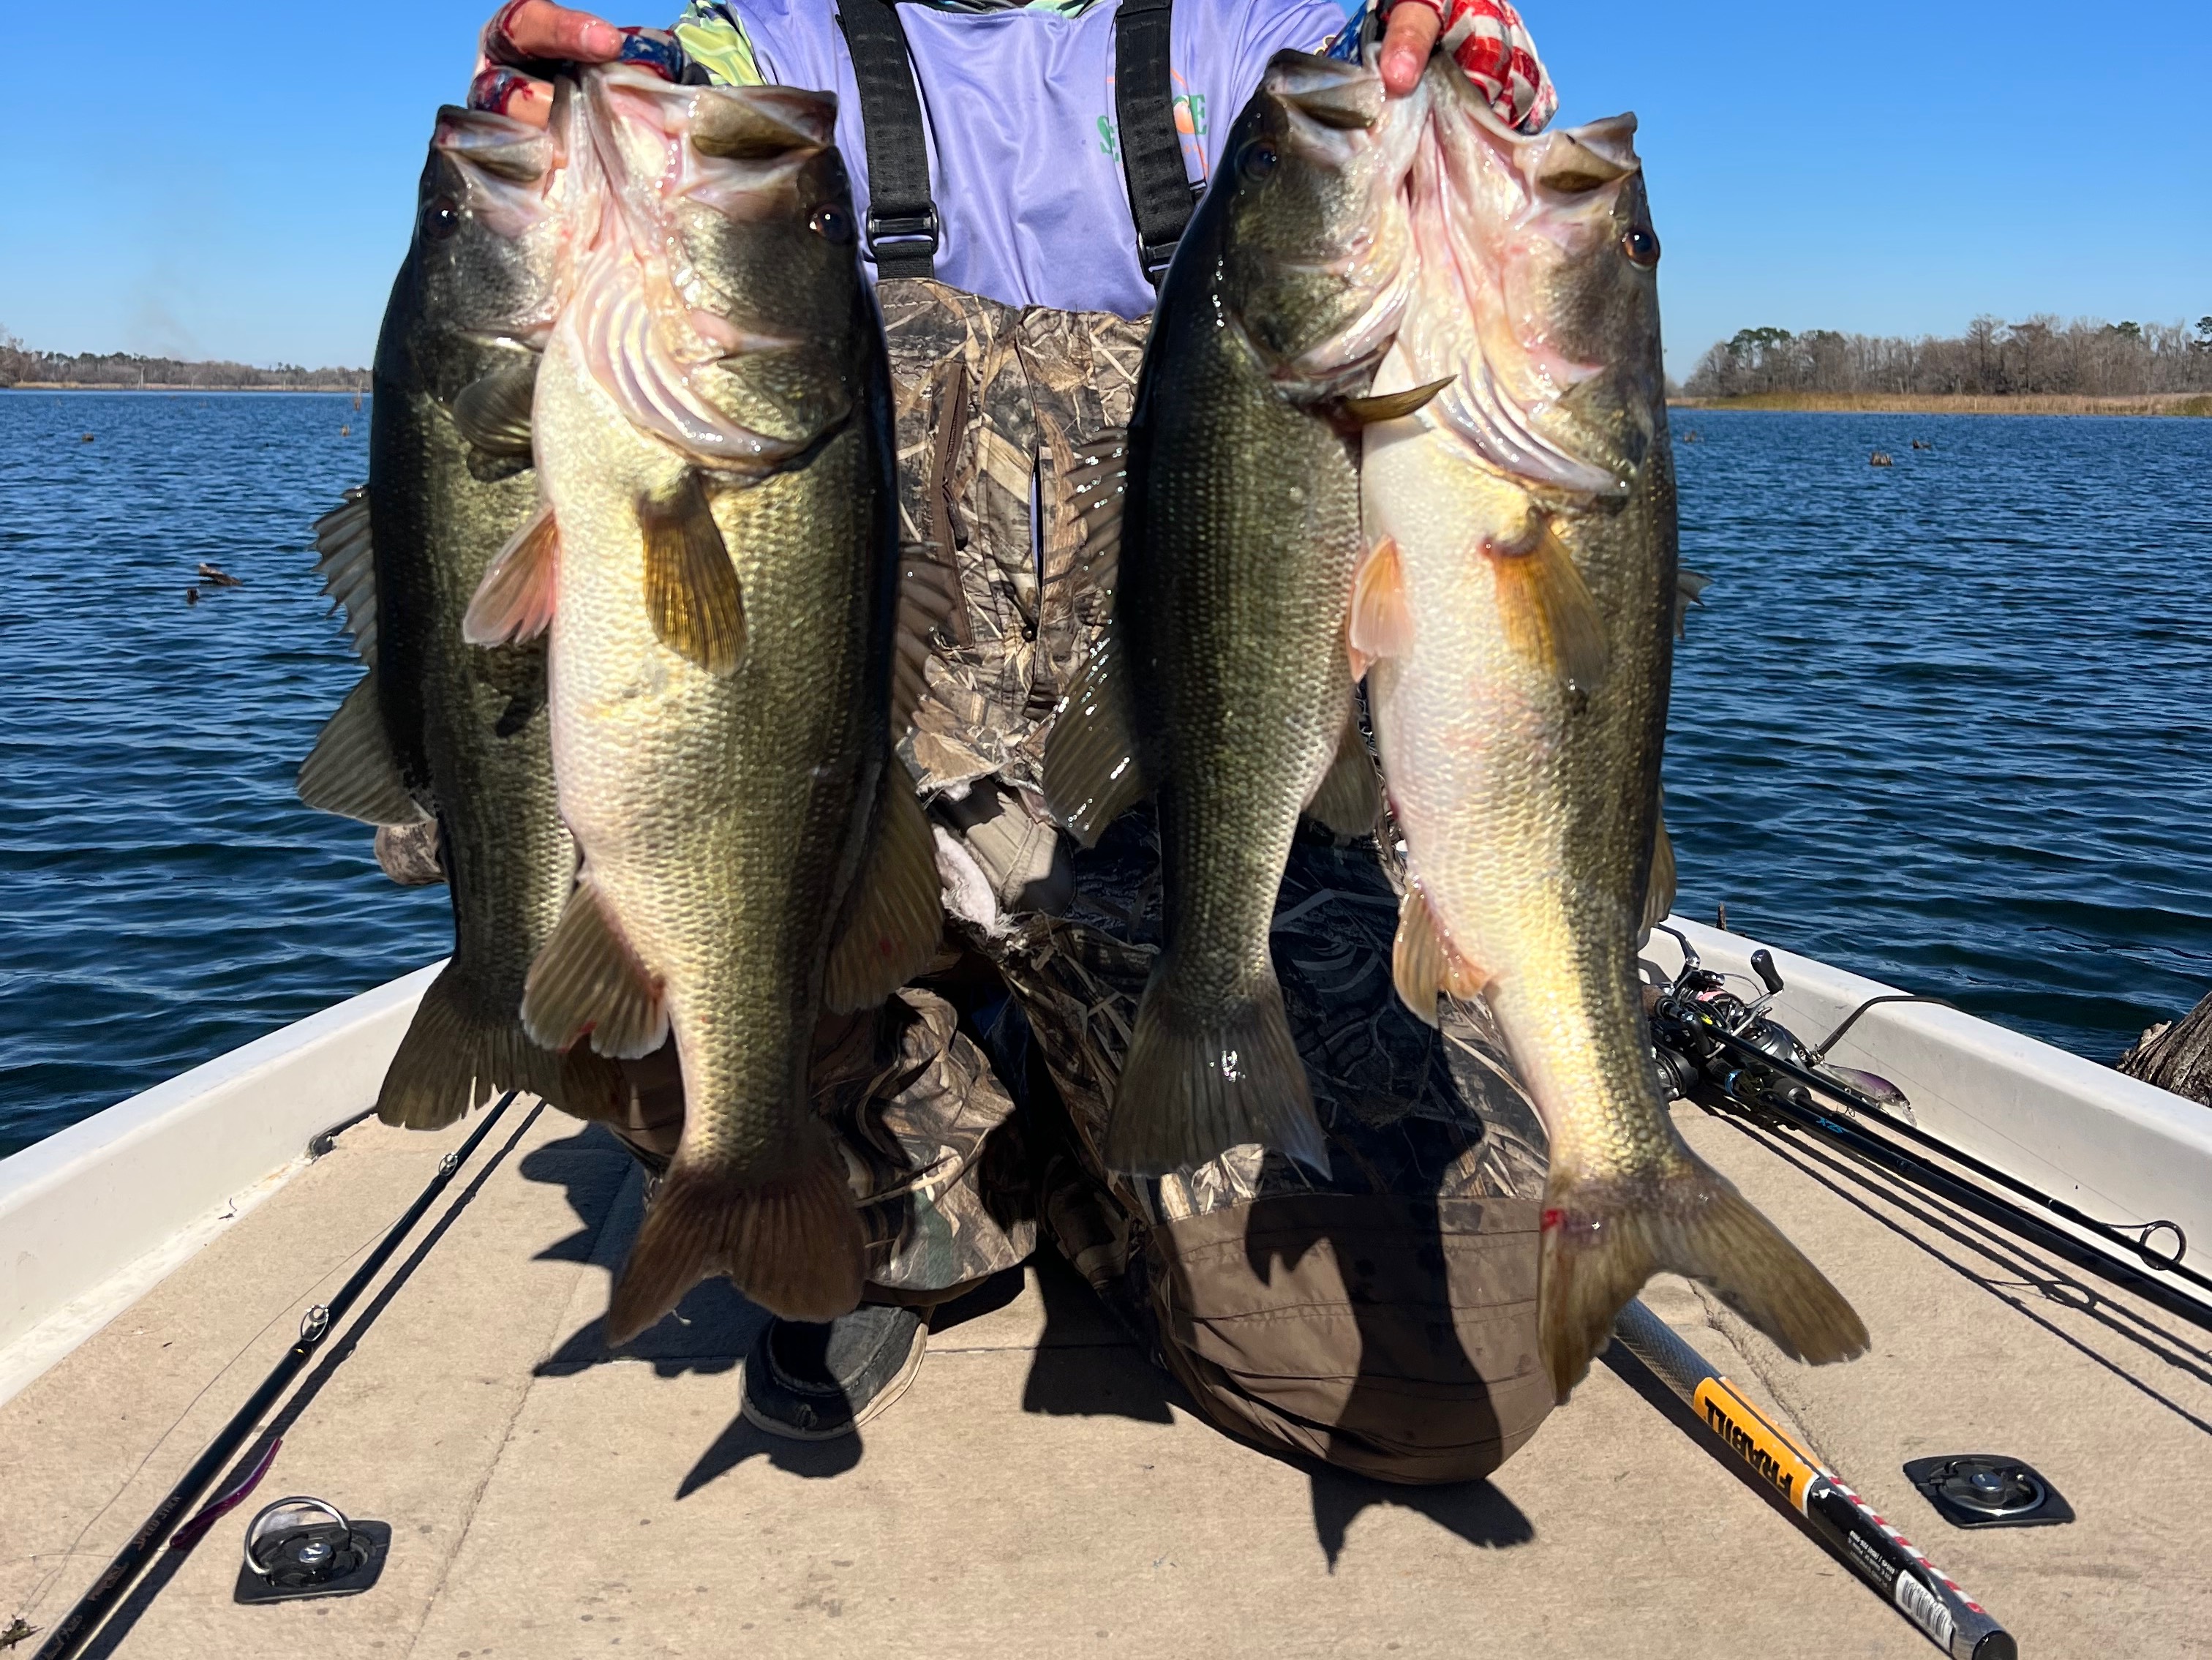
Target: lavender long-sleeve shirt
<point>1017,105</point>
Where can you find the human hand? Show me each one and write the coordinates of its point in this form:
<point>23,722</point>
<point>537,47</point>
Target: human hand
<point>1489,42</point>
<point>526,36</point>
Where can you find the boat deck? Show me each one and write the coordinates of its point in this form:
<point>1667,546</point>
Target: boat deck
<point>1042,1485</point>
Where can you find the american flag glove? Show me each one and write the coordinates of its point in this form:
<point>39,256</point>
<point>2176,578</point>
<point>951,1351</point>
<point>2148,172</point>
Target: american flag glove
<point>1488,41</point>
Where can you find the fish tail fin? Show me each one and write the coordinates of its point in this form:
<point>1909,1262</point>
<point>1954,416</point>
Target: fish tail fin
<point>1200,1080</point>
<point>459,1054</point>
<point>792,1244</point>
<point>1602,1240</point>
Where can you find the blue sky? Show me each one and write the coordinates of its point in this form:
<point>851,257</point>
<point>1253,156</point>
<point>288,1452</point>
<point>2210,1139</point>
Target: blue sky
<point>241,186</point>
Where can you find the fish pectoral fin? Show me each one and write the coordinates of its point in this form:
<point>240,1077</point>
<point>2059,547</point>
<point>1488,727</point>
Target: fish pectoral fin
<point>1090,772</point>
<point>352,771</point>
<point>691,591</point>
<point>1425,963</point>
<point>587,979</point>
<point>1603,1239</point>
<point>1659,893</point>
<point>1200,1080</point>
<point>1347,801</point>
<point>1546,609</point>
<point>493,411</point>
<point>515,599</point>
<point>793,1243</point>
<point>1388,406</point>
<point>1381,620</point>
<point>1689,590</point>
<point>929,590</point>
<point>895,916</point>
<point>345,558</point>
<point>458,1052</point>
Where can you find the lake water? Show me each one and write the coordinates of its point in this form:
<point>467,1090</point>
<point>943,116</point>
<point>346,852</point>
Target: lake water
<point>1949,723</point>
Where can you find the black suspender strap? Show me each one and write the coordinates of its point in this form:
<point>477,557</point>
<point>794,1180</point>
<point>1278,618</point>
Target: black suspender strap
<point>1160,195</point>
<point>901,227</point>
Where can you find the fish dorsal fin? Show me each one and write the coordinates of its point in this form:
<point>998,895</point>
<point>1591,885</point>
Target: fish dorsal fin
<point>1091,776</point>
<point>493,411</point>
<point>345,558</point>
<point>1659,894</point>
<point>1689,590</point>
<point>1347,801</point>
<point>515,599</point>
<point>1094,490</point>
<point>691,590</point>
<point>1423,962</point>
<point>927,593</point>
<point>352,771</point>
<point>1546,606</point>
<point>587,979</point>
<point>895,916</point>
<point>1381,620</point>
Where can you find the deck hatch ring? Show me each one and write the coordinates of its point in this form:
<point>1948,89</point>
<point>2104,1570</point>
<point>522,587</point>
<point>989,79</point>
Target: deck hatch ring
<point>301,1546</point>
<point>1988,1490</point>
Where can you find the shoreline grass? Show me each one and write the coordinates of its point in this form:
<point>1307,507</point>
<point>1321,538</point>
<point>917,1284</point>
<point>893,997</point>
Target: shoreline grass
<point>1871,402</point>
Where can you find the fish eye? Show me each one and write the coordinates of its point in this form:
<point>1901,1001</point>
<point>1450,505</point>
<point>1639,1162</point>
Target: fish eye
<point>441,218</point>
<point>1641,247</point>
<point>832,224</point>
<point>1258,159</point>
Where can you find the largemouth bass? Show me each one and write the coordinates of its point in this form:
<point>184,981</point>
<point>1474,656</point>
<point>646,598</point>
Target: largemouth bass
<point>1518,608</point>
<point>437,727</point>
<point>719,561</point>
<point>1223,685</point>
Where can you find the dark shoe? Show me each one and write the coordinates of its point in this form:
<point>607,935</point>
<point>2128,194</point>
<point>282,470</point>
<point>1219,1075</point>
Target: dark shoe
<point>807,1383</point>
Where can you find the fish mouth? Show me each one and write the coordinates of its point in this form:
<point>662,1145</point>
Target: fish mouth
<point>1489,206</point>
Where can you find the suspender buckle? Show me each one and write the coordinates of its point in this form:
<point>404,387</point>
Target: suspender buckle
<point>910,235</point>
<point>1155,257</point>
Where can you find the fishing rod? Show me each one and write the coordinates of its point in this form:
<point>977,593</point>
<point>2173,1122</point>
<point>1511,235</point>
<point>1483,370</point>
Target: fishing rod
<point>70,1637</point>
<point>1716,1048</point>
<point>1853,1532</point>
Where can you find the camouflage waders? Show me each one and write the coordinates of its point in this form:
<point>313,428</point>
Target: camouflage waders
<point>1383,1320</point>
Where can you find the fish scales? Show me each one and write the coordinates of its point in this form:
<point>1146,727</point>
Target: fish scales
<point>467,729</point>
<point>714,432</point>
<point>1518,605</point>
<point>1223,686</point>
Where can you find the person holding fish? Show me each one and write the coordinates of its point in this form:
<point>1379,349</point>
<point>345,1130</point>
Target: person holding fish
<point>1021,175</point>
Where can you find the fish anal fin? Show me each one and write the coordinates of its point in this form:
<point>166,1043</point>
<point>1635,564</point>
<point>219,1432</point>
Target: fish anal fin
<point>1348,800</point>
<point>1603,1239</point>
<point>895,918</point>
<point>691,591</point>
<point>1689,590</point>
<point>492,412</point>
<point>1368,411</point>
<point>1381,621</point>
<point>515,599</point>
<point>457,1053</point>
<point>1546,607</point>
<point>587,979</point>
<point>793,1243</point>
<point>1091,776</point>
<point>1423,962</point>
<point>1200,1080</point>
<point>352,771</point>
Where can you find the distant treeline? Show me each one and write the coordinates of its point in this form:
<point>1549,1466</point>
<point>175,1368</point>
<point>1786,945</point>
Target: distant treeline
<point>20,364</point>
<point>2042,356</point>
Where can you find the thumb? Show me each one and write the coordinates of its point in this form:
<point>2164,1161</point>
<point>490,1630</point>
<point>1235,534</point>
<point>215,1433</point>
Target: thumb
<point>1408,39</point>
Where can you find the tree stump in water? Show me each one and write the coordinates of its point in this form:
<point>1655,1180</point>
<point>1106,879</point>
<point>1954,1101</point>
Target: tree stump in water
<point>2176,1056</point>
